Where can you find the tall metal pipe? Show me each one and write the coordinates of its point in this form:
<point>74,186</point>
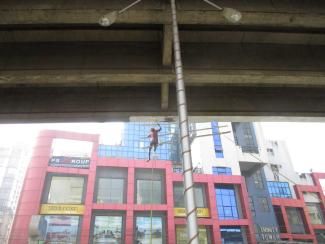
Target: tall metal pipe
<point>191,217</point>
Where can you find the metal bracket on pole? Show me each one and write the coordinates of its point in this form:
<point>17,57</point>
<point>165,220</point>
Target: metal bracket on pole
<point>191,217</point>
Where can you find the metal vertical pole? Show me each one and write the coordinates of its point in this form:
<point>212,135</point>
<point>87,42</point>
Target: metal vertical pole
<point>191,218</point>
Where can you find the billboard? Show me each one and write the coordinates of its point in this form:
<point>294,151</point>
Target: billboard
<point>201,212</point>
<point>70,153</point>
<point>62,209</point>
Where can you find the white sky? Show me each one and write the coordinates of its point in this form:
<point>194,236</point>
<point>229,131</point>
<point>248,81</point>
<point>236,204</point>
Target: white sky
<point>305,141</point>
<point>110,132</point>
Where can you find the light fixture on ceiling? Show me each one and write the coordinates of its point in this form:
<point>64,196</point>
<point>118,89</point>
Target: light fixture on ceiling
<point>110,18</point>
<point>230,14</point>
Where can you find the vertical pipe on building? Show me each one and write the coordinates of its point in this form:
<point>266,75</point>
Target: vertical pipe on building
<point>191,217</point>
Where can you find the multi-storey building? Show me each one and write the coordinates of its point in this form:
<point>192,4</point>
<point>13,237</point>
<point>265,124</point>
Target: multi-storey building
<point>285,206</point>
<point>298,199</point>
<point>78,191</point>
<point>13,163</point>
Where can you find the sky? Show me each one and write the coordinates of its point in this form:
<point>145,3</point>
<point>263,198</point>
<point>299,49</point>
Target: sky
<point>305,141</point>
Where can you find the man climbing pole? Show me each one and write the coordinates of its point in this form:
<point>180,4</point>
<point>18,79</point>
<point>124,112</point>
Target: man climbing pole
<point>153,140</point>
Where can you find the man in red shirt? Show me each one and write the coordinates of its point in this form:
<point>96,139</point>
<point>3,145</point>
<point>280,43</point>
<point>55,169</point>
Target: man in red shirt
<point>154,142</point>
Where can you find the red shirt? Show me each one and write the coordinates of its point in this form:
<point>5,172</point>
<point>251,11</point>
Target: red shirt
<point>154,135</point>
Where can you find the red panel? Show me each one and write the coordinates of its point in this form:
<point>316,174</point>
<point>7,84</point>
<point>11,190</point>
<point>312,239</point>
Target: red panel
<point>299,202</point>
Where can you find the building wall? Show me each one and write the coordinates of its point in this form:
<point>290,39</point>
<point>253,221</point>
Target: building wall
<point>252,157</point>
<point>203,152</point>
<point>266,227</point>
<point>13,163</point>
<point>203,149</point>
<point>34,185</point>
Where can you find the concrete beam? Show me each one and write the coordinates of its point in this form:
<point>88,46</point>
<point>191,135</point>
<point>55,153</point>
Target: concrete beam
<point>164,95</point>
<point>98,104</point>
<point>158,16</point>
<point>167,45</point>
<point>186,36</point>
<point>73,78</point>
<point>145,57</point>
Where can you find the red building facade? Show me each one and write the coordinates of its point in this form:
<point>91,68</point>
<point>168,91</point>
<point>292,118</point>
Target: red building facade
<point>35,182</point>
<point>282,204</point>
<point>37,199</point>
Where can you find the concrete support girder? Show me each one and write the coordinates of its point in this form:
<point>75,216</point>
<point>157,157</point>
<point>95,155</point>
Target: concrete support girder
<point>70,17</point>
<point>153,35</point>
<point>100,104</point>
<point>74,78</point>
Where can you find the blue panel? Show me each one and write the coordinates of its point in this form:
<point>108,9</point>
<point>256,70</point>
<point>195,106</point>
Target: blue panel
<point>135,142</point>
<point>226,203</point>
<point>231,235</point>
<point>217,140</point>
<point>279,189</point>
<point>221,171</point>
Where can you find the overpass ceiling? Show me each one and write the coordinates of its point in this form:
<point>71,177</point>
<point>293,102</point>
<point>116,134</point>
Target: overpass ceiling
<point>55,52</point>
<point>264,21</point>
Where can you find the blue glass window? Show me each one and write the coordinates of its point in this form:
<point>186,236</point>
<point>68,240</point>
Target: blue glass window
<point>217,140</point>
<point>226,202</point>
<point>279,189</point>
<point>135,143</point>
<point>221,171</point>
<point>231,235</point>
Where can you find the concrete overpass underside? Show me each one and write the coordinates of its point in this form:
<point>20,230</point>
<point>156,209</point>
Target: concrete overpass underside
<point>57,64</point>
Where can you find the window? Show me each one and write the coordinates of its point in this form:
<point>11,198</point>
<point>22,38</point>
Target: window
<point>258,181</point>
<point>270,151</point>
<point>148,191</point>
<point>226,202</point>
<point>110,190</point>
<point>111,185</point>
<point>264,206</point>
<point>221,171</point>
<point>275,171</point>
<point>245,136</point>
<point>315,213</point>
<point>251,206</point>
<point>66,189</point>
<point>296,220</point>
<point>217,140</point>
<point>134,145</point>
<point>149,187</point>
<point>320,235</point>
<point>147,228</point>
<point>200,199</point>
<point>177,169</point>
<point>279,189</point>
<point>108,229</point>
<point>61,229</point>
<point>231,235</point>
<point>279,219</point>
<point>181,235</point>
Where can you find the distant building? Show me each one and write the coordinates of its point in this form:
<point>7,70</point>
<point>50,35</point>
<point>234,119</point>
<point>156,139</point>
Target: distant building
<point>13,163</point>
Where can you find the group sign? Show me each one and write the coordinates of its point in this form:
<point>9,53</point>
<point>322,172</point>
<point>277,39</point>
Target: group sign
<point>70,153</point>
